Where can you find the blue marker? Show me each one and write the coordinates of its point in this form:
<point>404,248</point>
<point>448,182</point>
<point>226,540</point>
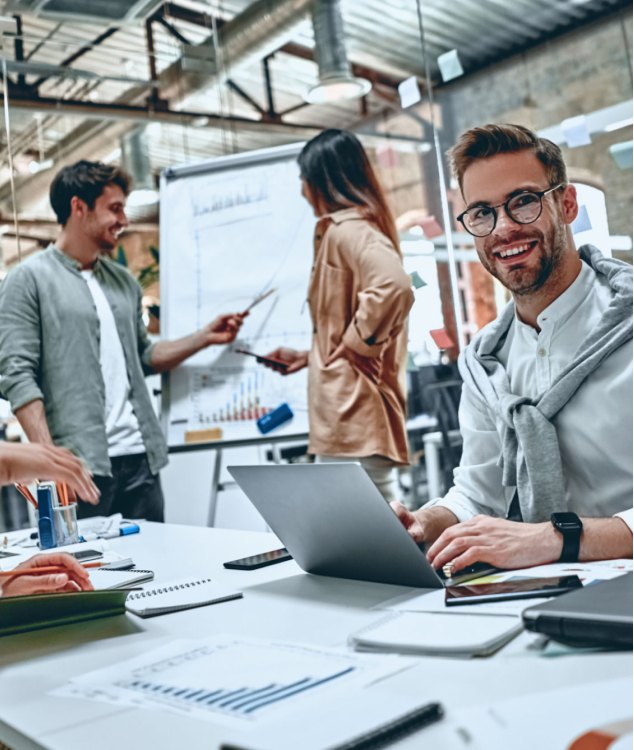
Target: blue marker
<point>45,525</point>
<point>130,528</point>
<point>274,418</point>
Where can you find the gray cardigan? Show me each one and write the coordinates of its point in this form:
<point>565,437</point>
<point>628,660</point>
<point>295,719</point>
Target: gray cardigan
<point>49,350</point>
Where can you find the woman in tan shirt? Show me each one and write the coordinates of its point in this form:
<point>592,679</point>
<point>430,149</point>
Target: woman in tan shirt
<point>359,297</point>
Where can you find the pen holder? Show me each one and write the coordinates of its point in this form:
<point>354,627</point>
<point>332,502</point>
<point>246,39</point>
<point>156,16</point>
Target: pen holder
<point>274,418</point>
<point>58,529</point>
<point>65,524</point>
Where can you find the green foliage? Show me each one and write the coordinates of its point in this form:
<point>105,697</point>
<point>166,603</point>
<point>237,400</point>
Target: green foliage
<point>121,259</point>
<point>147,275</point>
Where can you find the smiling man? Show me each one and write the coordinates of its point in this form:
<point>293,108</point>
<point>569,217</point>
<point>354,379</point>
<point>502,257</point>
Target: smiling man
<point>74,349</point>
<point>546,410</point>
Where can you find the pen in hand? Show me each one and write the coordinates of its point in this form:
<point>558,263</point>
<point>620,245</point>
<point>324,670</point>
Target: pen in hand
<point>258,299</point>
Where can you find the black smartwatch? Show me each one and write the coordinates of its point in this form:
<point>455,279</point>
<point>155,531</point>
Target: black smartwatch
<point>570,527</point>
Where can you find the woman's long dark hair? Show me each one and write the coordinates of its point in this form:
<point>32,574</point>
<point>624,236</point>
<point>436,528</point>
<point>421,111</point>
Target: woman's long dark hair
<point>339,175</point>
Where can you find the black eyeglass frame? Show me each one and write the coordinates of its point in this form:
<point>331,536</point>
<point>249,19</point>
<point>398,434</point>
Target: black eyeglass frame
<point>539,193</point>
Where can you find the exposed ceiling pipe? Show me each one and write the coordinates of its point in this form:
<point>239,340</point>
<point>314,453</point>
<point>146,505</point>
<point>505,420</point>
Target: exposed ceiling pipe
<point>143,201</point>
<point>252,35</point>
<point>261,29</point>
<point>336,81</point>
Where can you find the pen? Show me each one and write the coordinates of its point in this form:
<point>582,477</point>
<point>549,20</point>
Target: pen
<point>26,494</point>
<point>388,733</point>
<point>43,569</point>
<point>258,299</point>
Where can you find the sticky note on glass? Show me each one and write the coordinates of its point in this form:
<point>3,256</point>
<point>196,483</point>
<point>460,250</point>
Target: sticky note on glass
<point>417,281</point>
<point>582,223</point>
<point>430,227</point>
<point>386,156</point>
<point>449,65</point>
<point>622,154</point>
<point>575,131</point>
<point>409,92</point>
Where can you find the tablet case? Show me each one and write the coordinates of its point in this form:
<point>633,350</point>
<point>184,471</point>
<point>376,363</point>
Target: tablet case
<point>597,615</point>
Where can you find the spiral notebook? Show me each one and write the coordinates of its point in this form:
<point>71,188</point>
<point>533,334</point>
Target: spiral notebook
<point>176,595</point>
<point>113,578</point>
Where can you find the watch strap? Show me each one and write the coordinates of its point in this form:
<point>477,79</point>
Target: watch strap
<point>571,538</point>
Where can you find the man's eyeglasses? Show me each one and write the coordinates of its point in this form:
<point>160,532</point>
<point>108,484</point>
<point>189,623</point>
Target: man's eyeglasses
<point>523,208</point>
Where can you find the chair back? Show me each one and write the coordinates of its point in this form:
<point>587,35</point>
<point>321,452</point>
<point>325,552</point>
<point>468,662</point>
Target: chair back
<point>444,399</point>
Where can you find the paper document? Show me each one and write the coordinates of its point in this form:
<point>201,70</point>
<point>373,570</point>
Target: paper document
<point>108,555</point>
<point>437,633</point>
<point>594,715</point>
<point>588,572</point>
<point>229,680</point>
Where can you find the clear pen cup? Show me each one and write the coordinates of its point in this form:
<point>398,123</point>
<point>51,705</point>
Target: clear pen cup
<point>64,519</point>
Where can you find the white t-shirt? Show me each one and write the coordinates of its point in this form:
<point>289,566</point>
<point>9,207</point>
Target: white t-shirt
<point>122,426</point>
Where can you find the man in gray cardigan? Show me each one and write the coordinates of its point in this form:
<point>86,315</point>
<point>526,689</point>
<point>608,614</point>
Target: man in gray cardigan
<point>546,409</point>
<point>74,349</point>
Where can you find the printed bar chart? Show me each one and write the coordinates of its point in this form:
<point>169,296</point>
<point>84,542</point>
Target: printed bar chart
<point>243,700</point>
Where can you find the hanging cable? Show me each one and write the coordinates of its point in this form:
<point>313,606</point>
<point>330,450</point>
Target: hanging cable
<point>7,125</point>
<point>451,257</point>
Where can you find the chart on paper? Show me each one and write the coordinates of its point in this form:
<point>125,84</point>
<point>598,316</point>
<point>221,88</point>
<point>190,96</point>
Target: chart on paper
<point>228,680</point>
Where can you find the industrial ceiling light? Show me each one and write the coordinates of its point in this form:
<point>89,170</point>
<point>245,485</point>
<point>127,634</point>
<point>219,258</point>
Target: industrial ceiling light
<point>336,81</point>
<point>142,203</point>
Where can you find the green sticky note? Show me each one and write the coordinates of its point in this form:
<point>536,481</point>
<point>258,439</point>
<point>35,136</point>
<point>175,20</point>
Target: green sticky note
<point>417,281</point>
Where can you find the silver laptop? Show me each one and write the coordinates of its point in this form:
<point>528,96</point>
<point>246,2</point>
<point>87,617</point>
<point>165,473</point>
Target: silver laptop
<point>596,615</point>
<point>335,522</point>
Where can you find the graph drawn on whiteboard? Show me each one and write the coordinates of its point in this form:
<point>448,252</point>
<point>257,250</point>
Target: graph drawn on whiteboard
<point>232,232</point>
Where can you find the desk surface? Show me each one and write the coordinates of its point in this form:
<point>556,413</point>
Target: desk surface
<point>280,603</point>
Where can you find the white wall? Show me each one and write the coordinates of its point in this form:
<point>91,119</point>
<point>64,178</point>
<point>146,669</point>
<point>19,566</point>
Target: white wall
<point>187,489</point>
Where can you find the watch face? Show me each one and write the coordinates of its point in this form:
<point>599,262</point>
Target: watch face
<point>567,520</point>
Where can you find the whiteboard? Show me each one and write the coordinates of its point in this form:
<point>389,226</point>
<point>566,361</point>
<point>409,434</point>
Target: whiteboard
<point>231,229</point>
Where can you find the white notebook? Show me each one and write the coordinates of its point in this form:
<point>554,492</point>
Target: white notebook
<point>435,633</point>
<point>111,578</point>
<point>176,595</point>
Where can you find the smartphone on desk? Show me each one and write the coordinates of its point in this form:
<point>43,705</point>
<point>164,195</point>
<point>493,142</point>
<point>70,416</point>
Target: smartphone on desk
<point>259,561</point>
<point>524,588</point>
<point>87,554</point>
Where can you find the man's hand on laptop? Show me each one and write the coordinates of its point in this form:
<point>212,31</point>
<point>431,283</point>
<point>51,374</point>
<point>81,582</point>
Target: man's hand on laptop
<point>426,524</point>
<point>501,543</point>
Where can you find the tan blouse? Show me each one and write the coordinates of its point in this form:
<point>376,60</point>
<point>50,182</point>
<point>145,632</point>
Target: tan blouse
<point>358,294</point>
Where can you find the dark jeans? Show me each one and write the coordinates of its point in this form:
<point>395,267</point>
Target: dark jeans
<point>132,490</point>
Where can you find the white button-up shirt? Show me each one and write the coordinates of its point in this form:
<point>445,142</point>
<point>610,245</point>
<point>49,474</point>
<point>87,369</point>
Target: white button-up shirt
<point>594,428</point>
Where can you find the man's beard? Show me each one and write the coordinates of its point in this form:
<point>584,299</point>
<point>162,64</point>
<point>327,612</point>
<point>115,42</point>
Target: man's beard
<point>526,281</point>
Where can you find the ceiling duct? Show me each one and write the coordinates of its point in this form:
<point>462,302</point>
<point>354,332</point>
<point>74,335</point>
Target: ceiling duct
<point>258,31</point>
<point>142,203</point>
<point>100,11</point>
<point>335,75</point>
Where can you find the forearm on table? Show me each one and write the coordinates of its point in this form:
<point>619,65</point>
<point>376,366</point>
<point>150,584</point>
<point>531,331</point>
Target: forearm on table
<point>32,419</point>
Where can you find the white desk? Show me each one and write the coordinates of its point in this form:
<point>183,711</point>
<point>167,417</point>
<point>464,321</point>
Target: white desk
<point>280,603</point>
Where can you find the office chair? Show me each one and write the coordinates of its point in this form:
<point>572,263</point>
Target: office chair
<point>443,448</point>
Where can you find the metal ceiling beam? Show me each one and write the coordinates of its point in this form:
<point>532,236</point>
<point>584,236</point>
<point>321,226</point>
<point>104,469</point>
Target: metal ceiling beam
<point>79,53</point>
<point>146,113</point>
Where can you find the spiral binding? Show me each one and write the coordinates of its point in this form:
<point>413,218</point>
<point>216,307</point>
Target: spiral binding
<point>168,589</point>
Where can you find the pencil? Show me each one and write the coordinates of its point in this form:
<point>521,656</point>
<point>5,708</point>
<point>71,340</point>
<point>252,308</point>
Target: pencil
<point>44,569</point>
<point>258,299</point>
<point>26,494</point>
